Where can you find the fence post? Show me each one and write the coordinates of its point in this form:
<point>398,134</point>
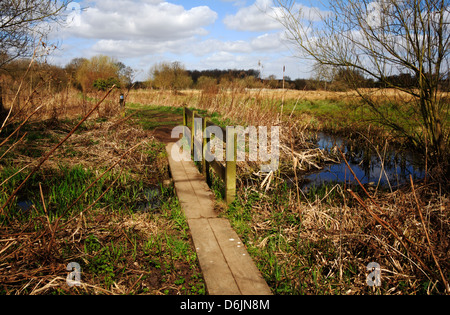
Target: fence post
<point>230,173</point>
<point>193,132</point>
<point>184,122</point>
<point>206,139</point>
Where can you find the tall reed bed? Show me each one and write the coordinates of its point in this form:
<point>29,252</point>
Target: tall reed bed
<point>323,242</point>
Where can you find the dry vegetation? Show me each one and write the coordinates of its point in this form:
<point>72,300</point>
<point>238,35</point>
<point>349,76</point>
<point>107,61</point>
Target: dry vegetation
<point>304,241</point>
<point>323,246</point>
<point>90,204</point>
<point>74,175</point>
<point>321,241</point>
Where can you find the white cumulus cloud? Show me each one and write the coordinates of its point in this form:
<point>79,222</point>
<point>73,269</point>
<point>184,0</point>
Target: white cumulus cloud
<point>260,16</point>
<point>264,15</point>
<point>145,19</point>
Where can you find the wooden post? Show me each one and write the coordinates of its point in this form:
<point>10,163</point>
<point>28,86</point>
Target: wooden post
<point>230,172</point>
<point>184,123</point>
<point>206,139</point>
<point>193,132</point>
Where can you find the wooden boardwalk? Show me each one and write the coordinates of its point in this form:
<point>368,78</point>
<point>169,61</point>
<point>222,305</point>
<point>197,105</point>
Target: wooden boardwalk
<point>226,265</point>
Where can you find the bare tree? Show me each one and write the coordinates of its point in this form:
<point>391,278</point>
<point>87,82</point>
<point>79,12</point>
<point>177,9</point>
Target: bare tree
<point>379,39</point>
<point>324,73</point>
<point>22,24</point>
<point>24,21</point>
<point>98,67</point>
<point>173,76</point>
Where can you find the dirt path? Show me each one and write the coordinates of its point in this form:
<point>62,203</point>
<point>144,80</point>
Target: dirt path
<point>160,120</point>
<point>163,134</point>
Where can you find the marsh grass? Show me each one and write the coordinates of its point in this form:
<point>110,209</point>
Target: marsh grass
<point>299,113</point>
<point>316,241</point>
<point>83,206</point>
<point>320,240</point>
<point>323,244</point>
<point>119,251</point>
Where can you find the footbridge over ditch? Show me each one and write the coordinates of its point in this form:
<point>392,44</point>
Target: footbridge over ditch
<point>226,265</point>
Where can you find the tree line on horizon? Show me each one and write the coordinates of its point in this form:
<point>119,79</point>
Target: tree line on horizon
<point>174,76</point>
<point>101,72</point>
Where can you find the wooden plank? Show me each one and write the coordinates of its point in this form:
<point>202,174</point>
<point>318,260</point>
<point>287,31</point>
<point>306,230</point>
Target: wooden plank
<point>193,193</point>
<point>226,266</point>
<point>242,266</point>
<point>197,145</point>
<point>216,272</point>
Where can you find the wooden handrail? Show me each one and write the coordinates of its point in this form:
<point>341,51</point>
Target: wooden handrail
<point>189,113</point>
<point>228,172</point>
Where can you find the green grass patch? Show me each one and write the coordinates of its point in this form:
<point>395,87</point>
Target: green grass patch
<point>150,116</point>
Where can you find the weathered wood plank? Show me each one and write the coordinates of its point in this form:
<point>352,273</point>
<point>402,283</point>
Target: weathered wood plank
<point>243,268</point>
<point>216,272</point>
<point>227,268</point>
<point>230,166</point>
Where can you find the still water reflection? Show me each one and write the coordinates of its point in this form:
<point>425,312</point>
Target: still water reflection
<point>387,168</point>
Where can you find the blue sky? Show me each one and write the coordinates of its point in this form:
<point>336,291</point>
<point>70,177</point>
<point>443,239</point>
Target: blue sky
<point>202,34</point>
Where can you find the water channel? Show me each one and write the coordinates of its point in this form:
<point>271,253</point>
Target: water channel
<point>388,168</point>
